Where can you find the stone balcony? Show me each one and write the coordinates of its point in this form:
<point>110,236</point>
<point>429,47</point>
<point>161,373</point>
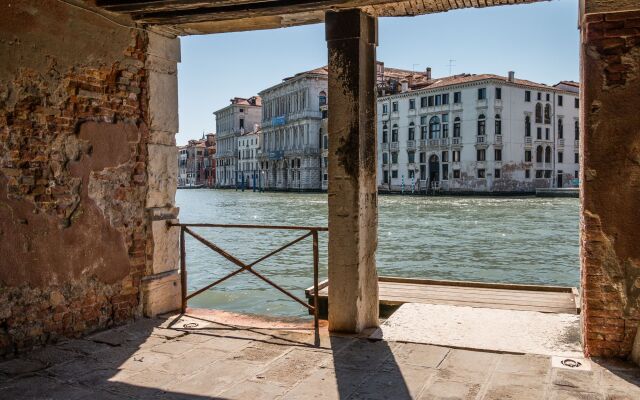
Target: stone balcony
<point>411,144</point>
<point>395,146</point>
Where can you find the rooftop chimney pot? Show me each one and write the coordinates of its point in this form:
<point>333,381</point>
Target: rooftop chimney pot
<point>512,76</point>
<point>428,72</point>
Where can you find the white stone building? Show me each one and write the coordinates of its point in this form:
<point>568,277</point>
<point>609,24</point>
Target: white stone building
<point>289,154</point>
<point>478,133</point>
<point>231,122</point>
<point>248,169</point>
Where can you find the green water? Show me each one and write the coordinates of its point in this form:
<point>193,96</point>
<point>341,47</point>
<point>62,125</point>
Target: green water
<point>516,240</point>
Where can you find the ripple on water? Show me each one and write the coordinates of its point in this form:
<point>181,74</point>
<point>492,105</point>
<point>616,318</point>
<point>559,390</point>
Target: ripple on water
<point>516,240</point>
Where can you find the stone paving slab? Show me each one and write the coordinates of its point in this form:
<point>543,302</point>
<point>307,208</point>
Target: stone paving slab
<point>141,361</point>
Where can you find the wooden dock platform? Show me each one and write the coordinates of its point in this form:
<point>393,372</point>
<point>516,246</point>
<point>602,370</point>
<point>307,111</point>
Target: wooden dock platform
<point>397,291</point>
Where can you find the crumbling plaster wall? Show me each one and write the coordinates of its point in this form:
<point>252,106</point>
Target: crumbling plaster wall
<point>86,172</point>
<point>610,218</point>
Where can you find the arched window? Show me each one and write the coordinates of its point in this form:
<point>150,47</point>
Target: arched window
<point>527,126</point>
<point>560,128</point>
<point>456,127</point>
<point>538,113</point>
<point>394,133</point>
<point>412,131</point>
<point>481,125</point>
<point>498,125</point>
<point>385,133</point>
<point>547,113</point>
<point>547,155</point>
<point>322,98</point>
<point>539,154</point>
<point>577,129</point>
<point>434,128</point>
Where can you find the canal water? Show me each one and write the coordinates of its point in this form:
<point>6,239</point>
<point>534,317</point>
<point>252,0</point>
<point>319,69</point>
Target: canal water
<point>516,240</point>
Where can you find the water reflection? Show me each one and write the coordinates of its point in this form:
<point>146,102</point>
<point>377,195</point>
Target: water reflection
<point>518,240</point>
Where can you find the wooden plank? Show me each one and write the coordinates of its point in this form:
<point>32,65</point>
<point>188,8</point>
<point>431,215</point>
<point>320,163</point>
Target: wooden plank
<point>385,295</point>
<point>396,291</point>
<point>561,304</point>
<point>475,289</point>
<point>471,296</point>
<point>476,284</point>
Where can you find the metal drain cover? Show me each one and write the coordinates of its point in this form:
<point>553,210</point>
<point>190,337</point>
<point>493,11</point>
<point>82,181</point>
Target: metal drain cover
<point>573,363</point>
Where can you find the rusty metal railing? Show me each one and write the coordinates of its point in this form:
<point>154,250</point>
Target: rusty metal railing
<point>312,231</point>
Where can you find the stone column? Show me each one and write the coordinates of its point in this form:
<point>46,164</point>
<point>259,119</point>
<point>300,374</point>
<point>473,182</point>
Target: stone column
<point>353,206</point>
<point>610,178</point>
<point>161,285</point>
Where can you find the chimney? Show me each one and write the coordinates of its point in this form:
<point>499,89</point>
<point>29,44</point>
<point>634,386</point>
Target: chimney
<point>429,73</point>
<point>512,76</point>
<point>405,85</point>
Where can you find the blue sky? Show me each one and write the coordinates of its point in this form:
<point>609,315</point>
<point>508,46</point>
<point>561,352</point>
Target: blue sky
<point>538,41</point>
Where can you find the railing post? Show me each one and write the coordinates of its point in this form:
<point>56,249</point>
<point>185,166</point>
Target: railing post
<point>183,270</point>
<point>315,279</point>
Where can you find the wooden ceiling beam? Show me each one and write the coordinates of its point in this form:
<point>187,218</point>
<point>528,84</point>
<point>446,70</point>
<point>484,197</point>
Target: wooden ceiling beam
<point>233,10</point>
<point>148,6</point>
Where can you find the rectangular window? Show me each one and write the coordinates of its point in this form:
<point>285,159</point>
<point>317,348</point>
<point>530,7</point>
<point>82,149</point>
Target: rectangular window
<point>457,97</point>
<point>576,174</point>
<point>445,125</point>
<point>548,97</point>
<point>560,157</point>
<point>394,158</point>
<point>576,103</point>
<point>430,101</point>
<point>411,174</point>
<point>456,174</point>
<point>438,100</point>
<point>445,156</point>
<point>412,104</point>
<point>394,106</point>
<point>547,173</point>
<point>423,158</point>
<point>527,156</point>
<point>481,155</point>
<point>539,173</point>
<point>482,93</point>
<point>560,100</point>
<point>576,158</point>
<point>481,174</point>
<point>385,108</point>
<point>445,172</point>
<point>539,96</point>
<point>527,95</point>
<point>423,172</point>
<point>325,177</point>
<point>497,154</point>
<point>385,177</point>
<point>445,98</point>
<point>455,155</point>
<point>527,173</point>
<point>546,133</point>
<point>241,123</point>
<point>539,133</point>
<point>385,158</point>
<point>423,102</point>
<point>498,93</point>
<point>496,173</point>
<point>411,155</point>
<point>394,173</point>
<point>325,143</point>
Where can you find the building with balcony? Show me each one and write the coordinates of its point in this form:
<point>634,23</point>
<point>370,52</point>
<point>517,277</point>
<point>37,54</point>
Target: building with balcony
<point>248,169</point>
<point>231,122</point>
<point>289,149</point>
<point>479,133</point>
<point>192,164</point>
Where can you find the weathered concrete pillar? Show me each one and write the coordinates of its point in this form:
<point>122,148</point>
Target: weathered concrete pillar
<point>161,285</point>
<point>353,206</point>
<point>610,145</point>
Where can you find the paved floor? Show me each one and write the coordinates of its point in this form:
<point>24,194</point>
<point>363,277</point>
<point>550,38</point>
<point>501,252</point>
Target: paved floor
<point>510,331</point>
<point>197,359</point>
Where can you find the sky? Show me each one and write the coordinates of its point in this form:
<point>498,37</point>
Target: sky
<point>538,41</point>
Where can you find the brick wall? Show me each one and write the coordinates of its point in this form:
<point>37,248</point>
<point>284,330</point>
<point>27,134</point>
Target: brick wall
<point>73,174</point>
<point>611,177</point>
